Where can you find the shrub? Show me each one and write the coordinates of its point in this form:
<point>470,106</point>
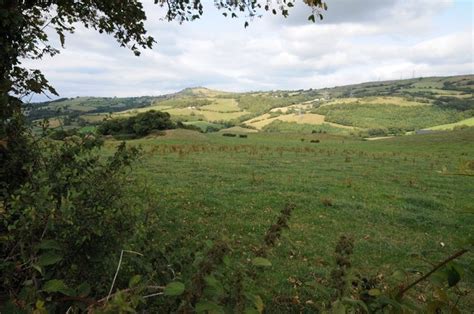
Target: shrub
<point>137,126</point>
<point>61,229</point>
<point>229,134</point>
<point>377,132</point>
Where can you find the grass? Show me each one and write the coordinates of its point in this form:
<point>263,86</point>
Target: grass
<point>386,100</point>
<point>265,120</point>
<point>203,125</point>
<point>395,197</point>
<point>389,106</point>
<point>209,109</point>
<point>207,115</point>
<point>386,116</point>
<point>222,105</point>
<point>294,127</point>
<point>450,126</point>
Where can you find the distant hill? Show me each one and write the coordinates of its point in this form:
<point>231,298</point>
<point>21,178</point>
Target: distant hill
<point>372,108</point>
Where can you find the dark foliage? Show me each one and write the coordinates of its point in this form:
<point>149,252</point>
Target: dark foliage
<point>137,126</point>
<point>455,103</point>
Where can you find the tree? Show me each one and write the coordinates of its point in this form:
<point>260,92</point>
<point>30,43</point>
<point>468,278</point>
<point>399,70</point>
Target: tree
<point>23,35</point>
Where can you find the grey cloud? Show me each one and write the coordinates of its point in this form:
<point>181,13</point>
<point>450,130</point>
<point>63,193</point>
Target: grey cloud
<point>354,46</point>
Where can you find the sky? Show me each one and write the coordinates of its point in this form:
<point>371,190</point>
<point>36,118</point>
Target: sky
<point>357,41</point>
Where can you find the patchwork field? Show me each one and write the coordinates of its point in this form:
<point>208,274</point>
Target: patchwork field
<point>368,109</point>
<point>221,167</point>
<point>396,197</point>
<point>397,101</point>
<point>262,121</point>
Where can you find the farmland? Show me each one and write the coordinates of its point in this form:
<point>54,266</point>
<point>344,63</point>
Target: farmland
<point>368,109</point>
<point>234,160</point>
<point>396,197</point>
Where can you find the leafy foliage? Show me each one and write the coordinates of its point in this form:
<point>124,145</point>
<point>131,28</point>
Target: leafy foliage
<point>71,202</point>
<point>140,125</point>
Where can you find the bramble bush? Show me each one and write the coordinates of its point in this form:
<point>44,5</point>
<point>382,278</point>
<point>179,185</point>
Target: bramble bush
<point>61,227</point>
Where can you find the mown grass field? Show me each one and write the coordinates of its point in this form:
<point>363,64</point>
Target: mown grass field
<point>396,197</point>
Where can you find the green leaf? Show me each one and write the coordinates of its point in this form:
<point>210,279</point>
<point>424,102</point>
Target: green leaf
<point>338,308</point>
<point>261,262</point>
<point>134,281</point>
<point>399,275</point>
<point>49,245</point>
<point>56,285</point>
<point>49,258</point>
<point>356,304</point>
<point>174,288</point>
<point>258,302</point>
<point>214,287</point>
<point>206,306</point>
<point>458,267</point>
<point>312,18</point>
<point>375,292</point>
<point>226,260</point>
<point>386,300</point>
<point>439,278</point>
<point>38,268</point>
<point>453,276</point>
<point>83,289</point>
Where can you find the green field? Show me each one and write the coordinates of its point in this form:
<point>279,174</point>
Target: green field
<point>466,122</point>
<point>396,197</point>
<point>368,109</point>
<point>388,116</point>
<point>223,166</point>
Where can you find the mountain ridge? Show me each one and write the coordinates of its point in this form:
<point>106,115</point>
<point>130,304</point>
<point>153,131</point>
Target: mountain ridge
<point>395,106</point>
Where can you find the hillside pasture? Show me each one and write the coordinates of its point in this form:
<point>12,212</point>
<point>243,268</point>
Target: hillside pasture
<point>238,129</point>
<point>204,125</point>
<point>302,107</point>
<point>379,100</point>
<point>304,118</point>
<point>466,122</point>
<point>278,126</point>
<point>388,116</point>
<point>397,198</point>
<point>222,105</point>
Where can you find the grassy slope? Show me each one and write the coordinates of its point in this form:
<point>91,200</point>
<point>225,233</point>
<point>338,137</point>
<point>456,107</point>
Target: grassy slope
<point>385,115</point>
<point>395,197</point>
<point>450,126</point>
<point>405,104</point>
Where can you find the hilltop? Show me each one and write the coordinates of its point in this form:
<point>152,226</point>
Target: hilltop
<point>372,108</point>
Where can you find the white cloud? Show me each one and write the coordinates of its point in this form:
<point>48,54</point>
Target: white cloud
<point>379,40</point>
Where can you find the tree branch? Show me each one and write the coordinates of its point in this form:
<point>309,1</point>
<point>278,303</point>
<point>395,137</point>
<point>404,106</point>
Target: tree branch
<point>435,268</point>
